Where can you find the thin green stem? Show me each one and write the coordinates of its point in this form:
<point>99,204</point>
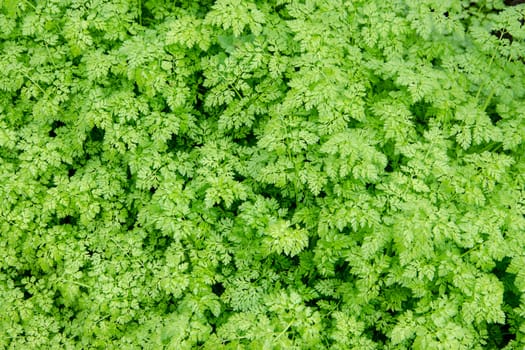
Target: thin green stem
<point>140,12</point>
<point>77,283</point>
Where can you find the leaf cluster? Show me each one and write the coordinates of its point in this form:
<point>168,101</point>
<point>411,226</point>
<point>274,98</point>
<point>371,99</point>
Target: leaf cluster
<point>283,174</point>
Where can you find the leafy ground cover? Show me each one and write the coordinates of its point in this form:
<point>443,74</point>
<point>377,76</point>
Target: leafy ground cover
<point>245,174</point>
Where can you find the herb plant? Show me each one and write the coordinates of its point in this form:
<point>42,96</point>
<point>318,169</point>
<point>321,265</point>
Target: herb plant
<point>262,174</point>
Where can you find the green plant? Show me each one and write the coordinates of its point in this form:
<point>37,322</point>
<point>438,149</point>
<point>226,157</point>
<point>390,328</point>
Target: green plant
<point>250,174</point>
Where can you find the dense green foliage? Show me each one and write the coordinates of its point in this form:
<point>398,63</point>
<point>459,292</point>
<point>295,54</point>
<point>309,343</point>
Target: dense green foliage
<point>253,174</point>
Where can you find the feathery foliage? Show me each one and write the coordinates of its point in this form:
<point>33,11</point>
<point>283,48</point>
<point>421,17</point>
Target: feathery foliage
<point>248,174</point>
